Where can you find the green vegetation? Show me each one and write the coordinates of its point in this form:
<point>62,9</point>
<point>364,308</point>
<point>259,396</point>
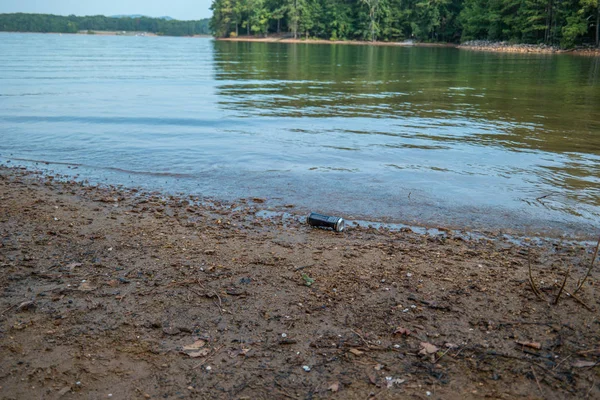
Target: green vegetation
<point>72,24</point>
<point>554,22</point>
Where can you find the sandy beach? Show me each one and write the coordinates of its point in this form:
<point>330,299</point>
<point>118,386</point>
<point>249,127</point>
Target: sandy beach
<point>111,292</point>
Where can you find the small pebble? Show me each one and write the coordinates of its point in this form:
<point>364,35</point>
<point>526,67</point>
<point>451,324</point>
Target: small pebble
<point>284,335</point>
<point>306,368</point>
<point>208,368</point>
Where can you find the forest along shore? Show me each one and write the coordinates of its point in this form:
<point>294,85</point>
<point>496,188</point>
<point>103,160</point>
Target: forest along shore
<point>117,293</point>
<point>478,45</point>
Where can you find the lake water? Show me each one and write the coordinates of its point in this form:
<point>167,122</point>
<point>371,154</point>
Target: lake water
<point>424,136</point>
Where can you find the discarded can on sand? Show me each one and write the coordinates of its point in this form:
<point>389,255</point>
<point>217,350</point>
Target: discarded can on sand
<point>326,221</point>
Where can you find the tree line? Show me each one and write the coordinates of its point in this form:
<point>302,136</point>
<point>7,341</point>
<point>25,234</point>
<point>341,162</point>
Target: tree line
<point>554,22</point>
<point>60,24</point>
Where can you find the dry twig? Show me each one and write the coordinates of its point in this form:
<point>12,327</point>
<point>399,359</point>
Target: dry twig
<point>361,337</point>
<point>577,299</point>
<point>537,381</point>
<point>562,287</point>
<point>589,269</point>
<point>532,283</point>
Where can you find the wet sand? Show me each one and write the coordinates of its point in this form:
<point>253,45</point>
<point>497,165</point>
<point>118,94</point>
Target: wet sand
<point>109,292</point>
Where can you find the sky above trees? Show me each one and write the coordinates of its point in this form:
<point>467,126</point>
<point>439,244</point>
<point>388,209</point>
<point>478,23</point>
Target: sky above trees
<point>179,9</point>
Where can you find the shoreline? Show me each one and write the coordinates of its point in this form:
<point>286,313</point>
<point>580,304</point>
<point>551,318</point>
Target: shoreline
<point>533,231</point>
<point>492,47</point>
<point>111,292</point>
<point>110,33</point>
<point>274,39</point>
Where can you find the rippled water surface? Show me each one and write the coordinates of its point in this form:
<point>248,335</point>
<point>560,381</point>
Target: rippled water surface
<point>426,136</point>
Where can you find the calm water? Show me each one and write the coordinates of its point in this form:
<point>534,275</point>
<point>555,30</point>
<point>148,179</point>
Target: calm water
<point>426,136</point>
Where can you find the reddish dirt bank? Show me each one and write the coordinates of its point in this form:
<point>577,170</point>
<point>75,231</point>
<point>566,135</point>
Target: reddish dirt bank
<point>278,39</point>
<point>113,293</point>
<point>495,47</point>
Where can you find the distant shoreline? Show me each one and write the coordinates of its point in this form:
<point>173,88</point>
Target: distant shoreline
<point>495,47</point>
<point>274,39</point>
<point>110,33</point>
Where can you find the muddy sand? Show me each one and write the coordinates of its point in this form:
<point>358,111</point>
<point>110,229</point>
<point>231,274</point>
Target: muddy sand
<point>114,293</point>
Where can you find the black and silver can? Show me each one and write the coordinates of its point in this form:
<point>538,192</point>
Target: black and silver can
<point>326,221</point>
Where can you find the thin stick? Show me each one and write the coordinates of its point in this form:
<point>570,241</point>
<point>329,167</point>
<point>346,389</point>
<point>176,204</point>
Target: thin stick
<point>362,338</point>
<point>562,361</point>
<point>208,358</point>
<point>442,356</point>
<point>577,299</point>
<point>589,269</point>
<point>591,387</point>
<point>562,286</point>
<point>588,351</point>
<point>531,282</point>
<point>543,197</point>
<point>537,381</point>
<point>8,309</point>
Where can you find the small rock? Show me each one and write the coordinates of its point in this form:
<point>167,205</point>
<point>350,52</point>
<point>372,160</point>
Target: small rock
<point>306,368</point>
<point>171,331</point>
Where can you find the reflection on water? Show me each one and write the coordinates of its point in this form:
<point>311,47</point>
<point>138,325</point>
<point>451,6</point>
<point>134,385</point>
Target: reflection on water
<point>415,135</point>
<point>536,118</point>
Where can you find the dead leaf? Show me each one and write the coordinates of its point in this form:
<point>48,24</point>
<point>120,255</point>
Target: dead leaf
<point>356,352</point>
<point>584,364</point>
<point>86,287</point>
<point>244,351</point>
<point>402,331</point>
<point>428,348</point>
<point>334,387</point>
<point>391,381</point>
<point>72,266</point>
<point>451,346</point>
<point>26,306</point>
<point>198,344</point>
<point>372,379</point>
<point>379,367</point>
<point>201,353</point>
<point>533,345</point>
<point>64,391</point>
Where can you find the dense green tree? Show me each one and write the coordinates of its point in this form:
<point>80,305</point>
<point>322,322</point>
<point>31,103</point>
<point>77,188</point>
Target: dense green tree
<point>72,24</point>
<point>568,22</point>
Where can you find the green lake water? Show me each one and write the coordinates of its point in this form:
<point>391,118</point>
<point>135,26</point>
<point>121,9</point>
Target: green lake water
<point>421,136</point>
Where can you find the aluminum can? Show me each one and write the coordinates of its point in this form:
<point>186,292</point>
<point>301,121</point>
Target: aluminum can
<point>326,221</point>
